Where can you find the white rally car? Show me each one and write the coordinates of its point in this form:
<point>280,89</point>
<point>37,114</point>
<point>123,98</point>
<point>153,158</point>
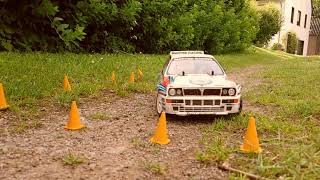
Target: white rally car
<point>194,83</point>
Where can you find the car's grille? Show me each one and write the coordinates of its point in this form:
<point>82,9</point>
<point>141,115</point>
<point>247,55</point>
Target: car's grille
<point>212,92</point>
<point>201,109</point>
<point>197,102</point>
<point>211,102</point>
<point>206,92</point>
<point>192,92</point>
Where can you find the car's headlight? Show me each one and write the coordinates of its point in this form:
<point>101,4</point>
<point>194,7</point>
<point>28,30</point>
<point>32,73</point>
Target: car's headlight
<point>172,92</point>
<point>228,92</point>
<point>175,92</point>
<point>232,92</point>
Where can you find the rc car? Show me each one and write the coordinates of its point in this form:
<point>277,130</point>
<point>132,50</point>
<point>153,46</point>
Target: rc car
<point>194,83</point>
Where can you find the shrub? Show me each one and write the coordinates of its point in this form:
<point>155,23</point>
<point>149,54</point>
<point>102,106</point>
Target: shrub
<point>269,24</point>
<point>277,46</point>
<point>291,42</point>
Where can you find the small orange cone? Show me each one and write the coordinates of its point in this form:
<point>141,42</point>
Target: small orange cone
<point>3,102</point>
<point>131,77</point>
<point>251,141</point>
<point>113,77</point>
<point>66,84</point>
<point>140,73</point>
<point>161,134</point>
<point>74,119</point>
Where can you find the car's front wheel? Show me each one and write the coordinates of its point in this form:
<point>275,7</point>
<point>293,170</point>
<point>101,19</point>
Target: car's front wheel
<point>159,105</point>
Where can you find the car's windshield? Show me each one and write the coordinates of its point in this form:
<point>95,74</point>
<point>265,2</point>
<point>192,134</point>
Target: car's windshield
<point>179,66</point>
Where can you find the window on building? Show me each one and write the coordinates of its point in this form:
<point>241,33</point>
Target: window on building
<point>299,18</point>
<point>305,21</point>
<point>292,14</point>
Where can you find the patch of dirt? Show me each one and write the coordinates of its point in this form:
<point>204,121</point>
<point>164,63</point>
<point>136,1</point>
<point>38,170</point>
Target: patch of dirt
<point>116,147</point>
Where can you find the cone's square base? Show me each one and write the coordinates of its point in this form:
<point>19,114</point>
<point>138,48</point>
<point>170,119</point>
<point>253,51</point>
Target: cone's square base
<point>259,150</point>
<point>75,128</point>
<point>4,108</point>
<point>162,142</point>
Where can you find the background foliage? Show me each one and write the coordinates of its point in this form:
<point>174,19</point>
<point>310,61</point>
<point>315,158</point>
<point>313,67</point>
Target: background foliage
<point>148,26</point>
<point>269,22</point>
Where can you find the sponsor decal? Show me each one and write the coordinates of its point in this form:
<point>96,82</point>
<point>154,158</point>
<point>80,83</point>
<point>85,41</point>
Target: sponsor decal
<point>162,86</point>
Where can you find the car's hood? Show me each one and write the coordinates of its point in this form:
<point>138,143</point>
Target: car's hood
<point>202,80</point>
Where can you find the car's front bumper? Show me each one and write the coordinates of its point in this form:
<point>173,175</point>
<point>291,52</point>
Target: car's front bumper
<point>213,105</point>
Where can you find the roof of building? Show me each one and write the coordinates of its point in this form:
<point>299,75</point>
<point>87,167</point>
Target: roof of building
<point>315,22</point>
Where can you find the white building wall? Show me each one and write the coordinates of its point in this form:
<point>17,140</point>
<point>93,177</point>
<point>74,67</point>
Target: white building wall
<point>302,33</point>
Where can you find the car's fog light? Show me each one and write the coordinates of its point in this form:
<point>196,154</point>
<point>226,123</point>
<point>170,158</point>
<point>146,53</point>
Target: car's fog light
<point>224,91</point>
<point>179,92</point>
<point>168,100</point>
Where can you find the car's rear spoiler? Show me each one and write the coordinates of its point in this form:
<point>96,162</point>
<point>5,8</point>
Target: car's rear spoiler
<point>186,52</point>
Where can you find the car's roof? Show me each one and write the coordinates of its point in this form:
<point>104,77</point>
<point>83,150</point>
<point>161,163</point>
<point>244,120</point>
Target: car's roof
<point>189,54</point>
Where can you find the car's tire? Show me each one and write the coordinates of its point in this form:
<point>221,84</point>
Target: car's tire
<point>241,105</point>
<point>159,108</point>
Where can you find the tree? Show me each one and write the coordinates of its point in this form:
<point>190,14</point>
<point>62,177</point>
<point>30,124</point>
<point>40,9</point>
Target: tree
<point>269,24</point>
<point>149,26</point>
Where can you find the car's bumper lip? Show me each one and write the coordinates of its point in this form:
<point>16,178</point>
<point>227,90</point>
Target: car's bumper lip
<point>199,113</point>
<point>185,110</point>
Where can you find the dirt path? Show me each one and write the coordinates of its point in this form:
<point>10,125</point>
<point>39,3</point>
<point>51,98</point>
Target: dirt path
<point>115,147</point>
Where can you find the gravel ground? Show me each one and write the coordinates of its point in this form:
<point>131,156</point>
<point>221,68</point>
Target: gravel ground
<point>113,147</point>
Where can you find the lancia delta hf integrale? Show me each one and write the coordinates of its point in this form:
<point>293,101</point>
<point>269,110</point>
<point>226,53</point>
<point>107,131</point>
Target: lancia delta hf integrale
<point>194,83</point>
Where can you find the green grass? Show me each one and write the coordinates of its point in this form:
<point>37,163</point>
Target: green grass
<point>289,131</point>
<point>28,77</point>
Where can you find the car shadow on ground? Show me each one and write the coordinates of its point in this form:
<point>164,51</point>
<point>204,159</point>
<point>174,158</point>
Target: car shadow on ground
<point>196,119</point>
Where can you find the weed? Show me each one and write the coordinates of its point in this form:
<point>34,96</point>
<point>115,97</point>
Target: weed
<point>72,159</point>
<point>23,125</point>
<point>138,143</point>
<point>214,151</point>
<point>155,167</point>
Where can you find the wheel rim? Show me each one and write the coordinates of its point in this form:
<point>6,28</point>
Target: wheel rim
<point>159,107</point>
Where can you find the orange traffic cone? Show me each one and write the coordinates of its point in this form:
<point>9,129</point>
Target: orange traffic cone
<point>66,84</point>
<point>74,119</point>
<point>131,77</point>
<point>140,73</point>
<point>113,77</point>
<point>161,134</point>
<point>3,102</point>
<point>251,141</point>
